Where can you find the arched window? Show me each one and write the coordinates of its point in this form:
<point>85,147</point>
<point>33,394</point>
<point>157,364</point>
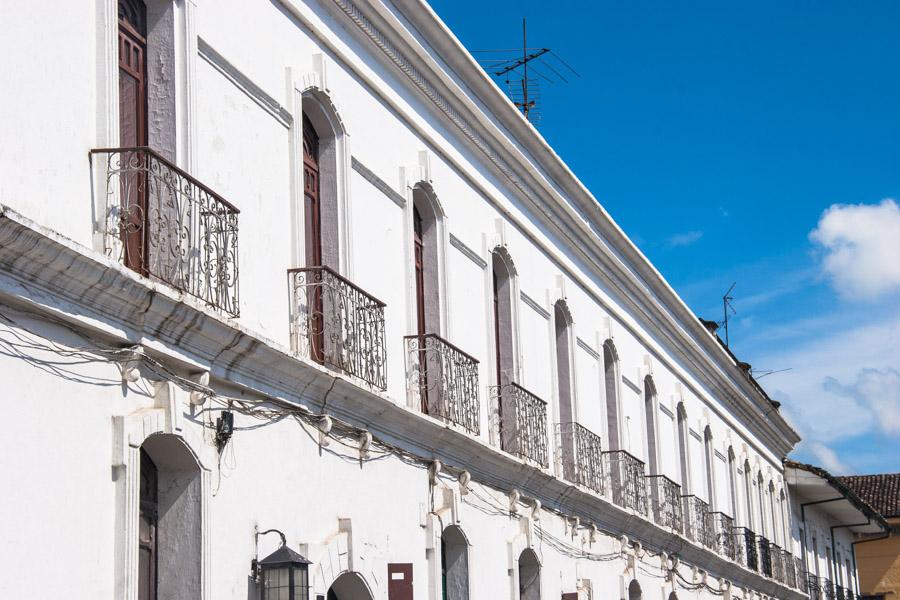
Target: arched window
<point>748,487</point>
<point>732,484</point>
<point>611,378</point>
<point>349,586</point>
<point>634,590</point>
<point>322,163</point>
<point>169,538</point>
<point>761,492</point>
<point>503,271</point>
<point>785,521</point>
<point>529,576</point>
<point>773,513</point>
<point>709,462</point>
<point>683,448</point>
<point>454,564</point>
<point>426,216</point>
<point>650,416</point>
<point>562,323</point>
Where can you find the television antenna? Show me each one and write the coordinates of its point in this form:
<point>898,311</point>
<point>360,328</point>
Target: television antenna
<point>727,307</point>
<point>522,72</point>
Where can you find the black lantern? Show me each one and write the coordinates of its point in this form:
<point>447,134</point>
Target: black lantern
<point>284,574</point>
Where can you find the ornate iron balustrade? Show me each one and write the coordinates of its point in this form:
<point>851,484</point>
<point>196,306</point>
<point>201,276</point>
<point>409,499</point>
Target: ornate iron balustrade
<point>827,589</point>
<point>336,323</point>
<point>581,455</point>
<point>790,569</point>
<point>800,569</point>
<point>776,557</point>
<point>840,593</point>
<point>765,556</point>
<point>814,587</point>
<point>523,422</point>
<point>443,380</point>
<point>695,520</point>
<point>166,225</point>
<point>665,499</point>
<point>745,540</point>
<point>625,474</point>
<point>721,526</point>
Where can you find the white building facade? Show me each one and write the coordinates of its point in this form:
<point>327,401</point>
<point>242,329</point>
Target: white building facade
<point>300,266</point>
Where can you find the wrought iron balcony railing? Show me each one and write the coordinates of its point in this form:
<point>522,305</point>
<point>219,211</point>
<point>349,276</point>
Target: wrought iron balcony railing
<point>800,569</point>
<point>695,520</point>
<point>523,422</point>
<point>166,225</point>
<point>790,569</point>
<point>665,499</point>
<point>840,593</point>
<point>827,589</point>
<point>765,556</point>
<point>814,587</point>
<point>337,324</point>
<point>581,455</point>
<point>776,558</point>
<point>443,380</point>
<point>625,475</point>
<point>745,540</point>
<point>721,526</point>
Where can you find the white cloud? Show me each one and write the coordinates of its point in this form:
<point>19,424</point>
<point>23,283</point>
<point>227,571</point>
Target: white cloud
<point>879,391</point>
<point>827,458</point>
<point>684,239</point>
<point>861,244</point>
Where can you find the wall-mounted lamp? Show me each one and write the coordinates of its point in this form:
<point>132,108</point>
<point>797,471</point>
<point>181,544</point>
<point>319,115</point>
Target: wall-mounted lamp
<point>284,574</point>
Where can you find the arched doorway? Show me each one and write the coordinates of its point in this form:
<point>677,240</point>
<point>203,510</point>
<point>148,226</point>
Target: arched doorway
<point>529,576</point>
<point>634,590</point>
<point>454,564</point>
<point>349,586</point>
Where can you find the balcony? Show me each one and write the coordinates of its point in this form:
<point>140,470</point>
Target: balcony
<point>523,422</point>
<point>665,500</point>
<point>164,224</point>
<point>776,556</point>
<point>625,474</point>
<point>337,324</point>
<point>814,587</point>
<point>827,589</point>
<point>443,380</point>
<point>695,520</point>
<point>745,544</point>
<point>720,526</point>
<point>801,582</point>
<point>841,593</point>
<point>581,455</point>
<point>790,570</point>
<point>765,556</point>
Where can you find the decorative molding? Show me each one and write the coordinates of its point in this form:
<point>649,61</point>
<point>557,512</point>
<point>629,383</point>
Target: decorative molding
<point>380,184</point>
<point>243,83</point>
<point>468,252</point>
<point>666,411</point>
<point>721,456</point>
<point>695,435</point>
<point>587,348</point>
<point>635,387</point>
<point>528,300</point>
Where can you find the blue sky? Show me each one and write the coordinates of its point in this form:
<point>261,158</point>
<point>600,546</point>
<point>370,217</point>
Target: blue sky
<point>749,142</point>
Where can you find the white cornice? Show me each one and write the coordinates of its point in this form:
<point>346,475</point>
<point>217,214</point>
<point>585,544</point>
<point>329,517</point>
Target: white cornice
<point>583,224</point>
<point>48,273</point>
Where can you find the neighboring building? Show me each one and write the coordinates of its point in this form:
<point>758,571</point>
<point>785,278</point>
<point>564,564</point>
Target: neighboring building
<point>828,517</point>
<point>878,557</point>
<point>300,265</point>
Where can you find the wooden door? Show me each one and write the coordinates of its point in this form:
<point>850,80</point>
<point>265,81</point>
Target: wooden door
<point>147,529</point>
<point>133,132</point>
<point>419,258</point>
<point>400,583</point>
<point>313,226</point>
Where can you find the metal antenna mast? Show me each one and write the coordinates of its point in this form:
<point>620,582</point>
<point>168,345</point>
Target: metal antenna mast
<point>522,78</point>
<point>726,306</point>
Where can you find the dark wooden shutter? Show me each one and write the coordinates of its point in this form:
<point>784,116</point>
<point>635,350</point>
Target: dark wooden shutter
<point>400,584</point>
<point>570,596</point>
<point>147,529</point>
<point>313,221</point>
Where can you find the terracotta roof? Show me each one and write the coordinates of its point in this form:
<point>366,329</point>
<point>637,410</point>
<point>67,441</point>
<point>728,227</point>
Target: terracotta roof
<point>881,492</point>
